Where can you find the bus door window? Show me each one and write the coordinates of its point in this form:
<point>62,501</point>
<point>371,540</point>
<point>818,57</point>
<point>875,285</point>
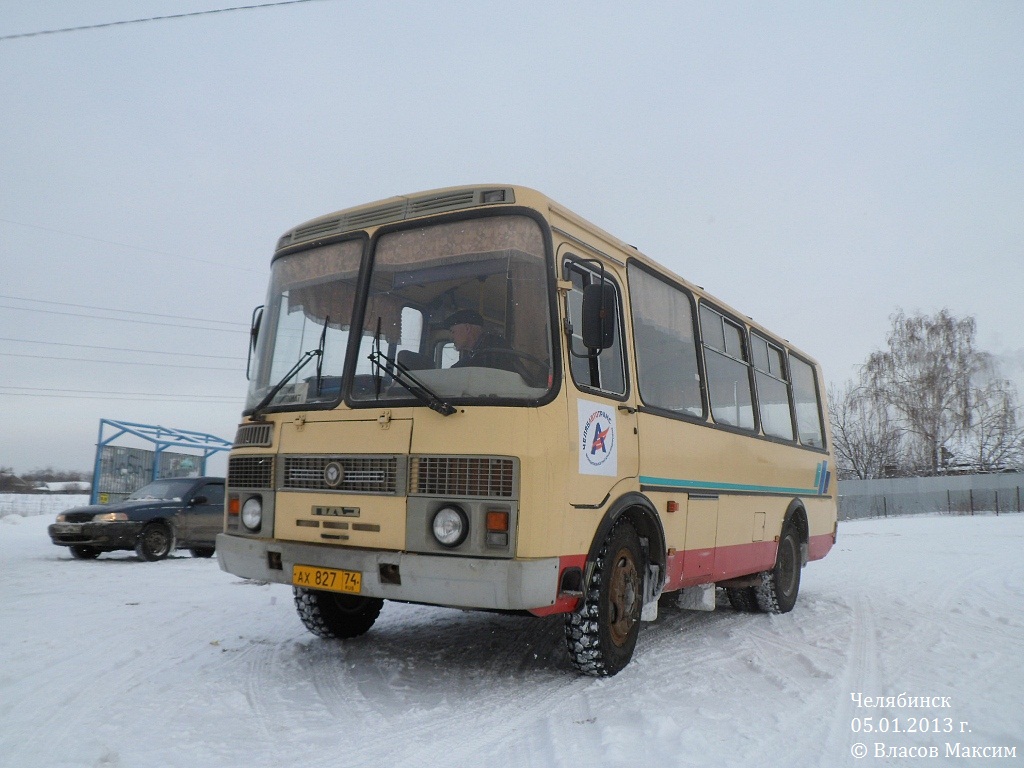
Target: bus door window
<point>668,375</point>
<point>728,372</point>
<point>604,372</point>
<point>772,388</point>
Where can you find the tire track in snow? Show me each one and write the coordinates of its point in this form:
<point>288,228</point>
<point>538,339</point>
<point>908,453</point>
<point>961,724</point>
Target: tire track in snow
<point>395,678</point>
<point>861,675</point>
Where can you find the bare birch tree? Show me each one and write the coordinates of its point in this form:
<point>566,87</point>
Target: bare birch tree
<point>924,380</point>
<point>995,440</point>
<point>864,439</point>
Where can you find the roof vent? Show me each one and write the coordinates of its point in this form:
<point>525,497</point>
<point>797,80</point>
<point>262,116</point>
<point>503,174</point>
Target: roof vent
<point>420,206</point>
<point>406,208</point>
<point>320,228</point>
<point>372,217</point>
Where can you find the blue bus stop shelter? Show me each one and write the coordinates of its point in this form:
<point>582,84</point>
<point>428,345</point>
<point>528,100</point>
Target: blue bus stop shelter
<point>119,470</point>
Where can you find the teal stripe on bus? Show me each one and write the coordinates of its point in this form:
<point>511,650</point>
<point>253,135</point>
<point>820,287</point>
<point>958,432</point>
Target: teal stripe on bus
<point>699,485</point>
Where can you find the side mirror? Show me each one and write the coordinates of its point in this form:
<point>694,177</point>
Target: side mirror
<point>598,316</point>
<point>199,500</point>
<point>254,335</point>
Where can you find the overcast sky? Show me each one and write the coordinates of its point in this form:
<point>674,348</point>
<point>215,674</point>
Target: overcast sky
<point>816,165</point>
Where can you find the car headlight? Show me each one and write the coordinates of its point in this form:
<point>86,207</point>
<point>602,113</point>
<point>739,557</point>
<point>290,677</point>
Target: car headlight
<point>450,526</point>
<point>252,513</point>
<point>110,517</point>
<point>62,518</point>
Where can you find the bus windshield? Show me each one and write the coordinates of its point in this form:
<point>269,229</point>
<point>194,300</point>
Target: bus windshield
<point>459,310</point>
<point>307,319</point>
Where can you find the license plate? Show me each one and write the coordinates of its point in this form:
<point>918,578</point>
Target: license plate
<point>65,528</point>
<point>329,579</point>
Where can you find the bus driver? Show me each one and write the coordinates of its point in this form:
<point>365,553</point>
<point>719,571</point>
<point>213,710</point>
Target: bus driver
<point>476,347</point>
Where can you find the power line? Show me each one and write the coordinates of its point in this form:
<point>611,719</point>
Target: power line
<point>124,319</point>
<point>131,247</point>
<point>119,362</point>
<point>120,349</point>
<point>122,311</point>
<point>225,401</point>
<point>152,18</point>
<point>174,396</point>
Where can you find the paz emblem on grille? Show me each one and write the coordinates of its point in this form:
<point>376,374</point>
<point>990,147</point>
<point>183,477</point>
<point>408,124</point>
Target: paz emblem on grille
<point>334,473</point>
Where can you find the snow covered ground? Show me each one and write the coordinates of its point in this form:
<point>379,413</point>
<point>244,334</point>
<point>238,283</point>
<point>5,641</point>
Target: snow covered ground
<point>117,662</point>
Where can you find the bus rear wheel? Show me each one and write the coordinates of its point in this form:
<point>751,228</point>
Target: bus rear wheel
<point>602,634</point>
<point>330,615</point>
<point>780,586</point>
<point>743,599</point>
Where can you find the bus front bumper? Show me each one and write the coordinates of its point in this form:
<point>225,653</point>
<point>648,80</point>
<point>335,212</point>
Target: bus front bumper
<point>458,582</point>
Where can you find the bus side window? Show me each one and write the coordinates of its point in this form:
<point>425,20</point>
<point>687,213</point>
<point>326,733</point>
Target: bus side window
<point>668,376</point>
<point>604,372</point>
<point>772,388</point>
<point>728,372</point>
<point>808,403</point>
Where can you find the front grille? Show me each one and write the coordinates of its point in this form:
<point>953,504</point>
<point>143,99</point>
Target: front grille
<point>261,435</point>
<point>251,472</point>
<point>463,476</point>
<point>361,474</point>
<point>80,517</point>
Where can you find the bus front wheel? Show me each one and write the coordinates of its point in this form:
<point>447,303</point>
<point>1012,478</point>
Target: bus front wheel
<point>331,615</point>
<point>601,635</point>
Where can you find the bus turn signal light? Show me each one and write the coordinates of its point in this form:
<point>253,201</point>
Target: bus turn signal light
<point>497,528</point>
<point>497,521</point>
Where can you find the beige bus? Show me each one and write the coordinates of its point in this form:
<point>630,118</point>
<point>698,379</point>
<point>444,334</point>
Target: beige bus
<point>472,397</point>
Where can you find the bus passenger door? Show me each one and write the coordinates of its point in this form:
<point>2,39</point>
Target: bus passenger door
<point>602,415</point>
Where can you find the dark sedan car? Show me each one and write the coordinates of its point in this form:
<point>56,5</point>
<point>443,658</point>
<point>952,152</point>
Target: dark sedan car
<point>178,513</point>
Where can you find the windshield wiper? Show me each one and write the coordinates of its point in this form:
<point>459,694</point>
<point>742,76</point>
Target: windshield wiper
<point>404,378</point>
<point>306,357</point>
<point>320,358</point>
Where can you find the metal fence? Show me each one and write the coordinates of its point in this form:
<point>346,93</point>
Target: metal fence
<point>952,495</point>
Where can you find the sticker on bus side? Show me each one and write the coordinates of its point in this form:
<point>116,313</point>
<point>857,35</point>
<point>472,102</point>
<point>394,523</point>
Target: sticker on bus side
<point>596,439</point>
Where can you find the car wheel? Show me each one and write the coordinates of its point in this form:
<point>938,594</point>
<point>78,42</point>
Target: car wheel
<point>82,552</point>
<point>201,551</point>
<point>155,542</point>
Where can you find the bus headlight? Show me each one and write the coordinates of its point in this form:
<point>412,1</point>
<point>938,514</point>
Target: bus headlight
<point>450,526</point>
<point>252,513</point>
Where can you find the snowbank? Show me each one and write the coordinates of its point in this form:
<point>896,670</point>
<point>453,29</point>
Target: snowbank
<point>32,504</point>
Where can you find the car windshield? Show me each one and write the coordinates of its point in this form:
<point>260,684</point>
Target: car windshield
<point>162,490</point>
<point>457,312</point>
